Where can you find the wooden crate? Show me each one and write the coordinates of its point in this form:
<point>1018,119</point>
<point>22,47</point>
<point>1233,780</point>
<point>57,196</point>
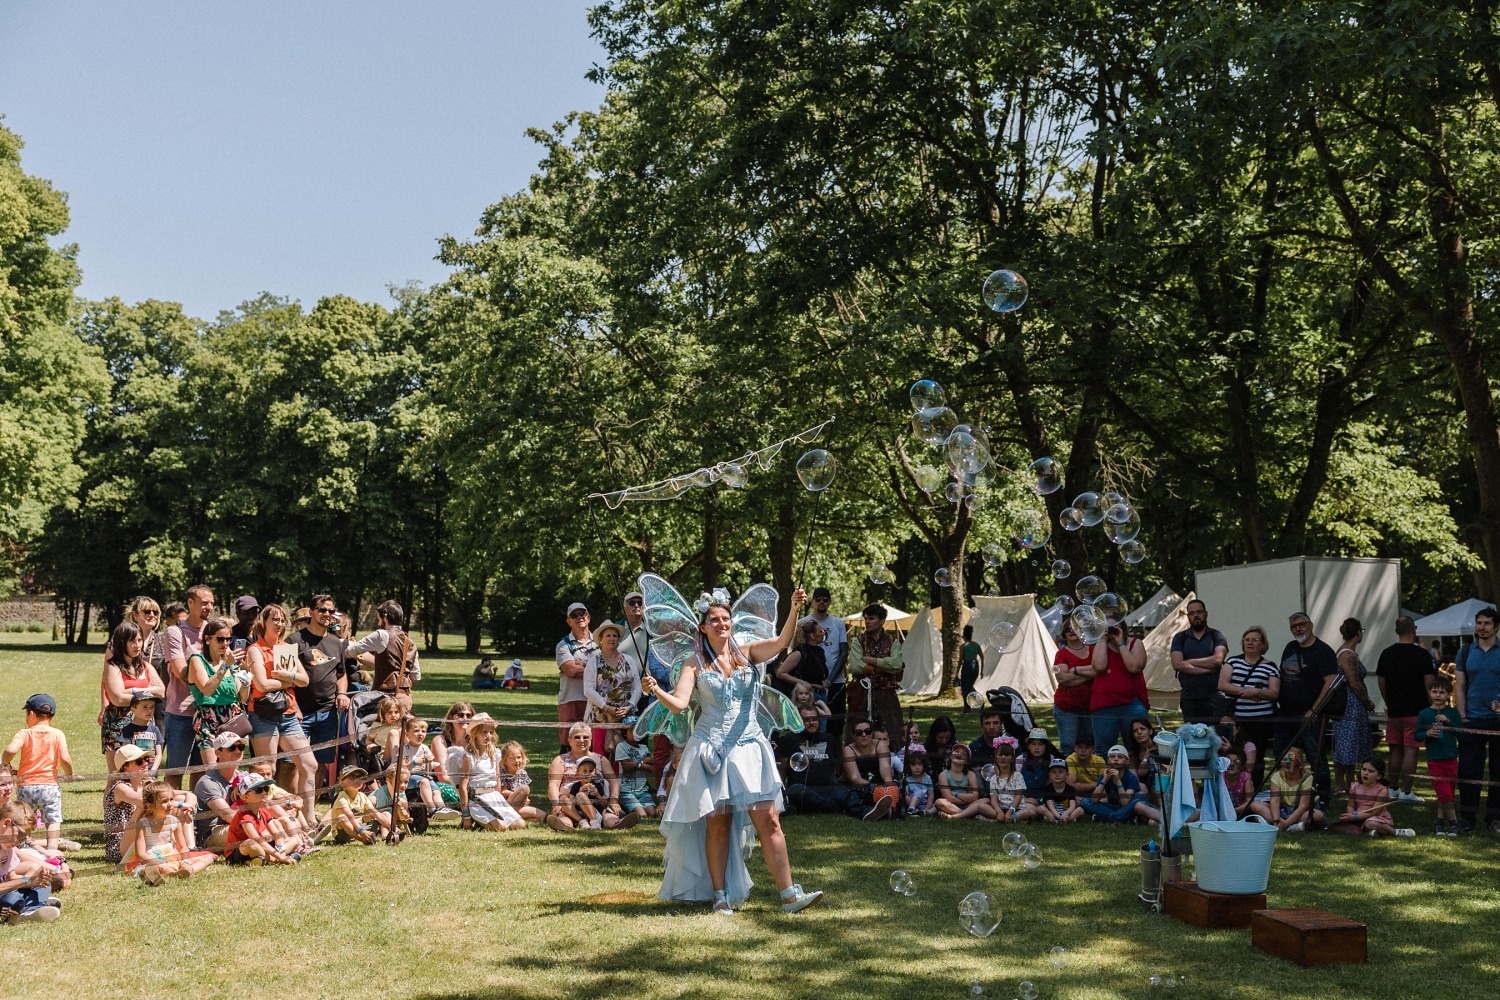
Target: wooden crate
<point>1201,908</point>
<point>1309,937</point>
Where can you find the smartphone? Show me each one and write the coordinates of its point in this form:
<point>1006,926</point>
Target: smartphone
<point>239,643</point>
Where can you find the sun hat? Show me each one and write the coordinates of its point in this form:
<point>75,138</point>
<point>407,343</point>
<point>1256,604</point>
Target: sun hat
<point>482,719</point>
<point>1037,734</point>
<point>228,741</point>
<point>130,752</point>
<point>605,626</point>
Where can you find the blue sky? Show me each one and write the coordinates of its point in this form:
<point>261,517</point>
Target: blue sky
<point>214,151</point>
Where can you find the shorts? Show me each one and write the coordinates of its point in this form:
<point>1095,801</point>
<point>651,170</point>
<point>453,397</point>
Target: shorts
<point>1443,774</point>
<point>235,857</point>
<point>45,799</point>
<point>1401,732</point>
<point>642,799</point>
<point>285,724</point>
<point>320,727</point>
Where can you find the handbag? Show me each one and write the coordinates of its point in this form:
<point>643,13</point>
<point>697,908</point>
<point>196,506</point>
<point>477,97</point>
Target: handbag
<point>270,706</point>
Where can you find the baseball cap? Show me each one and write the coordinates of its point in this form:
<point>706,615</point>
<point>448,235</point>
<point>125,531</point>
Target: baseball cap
<point>142,694</point>
<point>246,602</point>
<point>629,721</point>
<point>41,704</point>
<point>575,607</point>
<point>353,773</point>
<point>1057,762</point>
<point>1118,748</point>
<point>821,592</point>
<point>256,783</point>
<point>1037,734</point>
<point>226,741</point>
<point>635,593</point>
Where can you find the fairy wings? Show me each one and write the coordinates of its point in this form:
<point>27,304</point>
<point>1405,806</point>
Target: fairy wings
<point>675,640</point>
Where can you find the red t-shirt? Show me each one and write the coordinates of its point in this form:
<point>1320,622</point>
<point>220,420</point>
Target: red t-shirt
<point>1118,686</point>
<point>1074,699</point>
<point>236,833</point>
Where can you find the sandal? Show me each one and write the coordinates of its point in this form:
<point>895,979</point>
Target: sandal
<point>794,900</point>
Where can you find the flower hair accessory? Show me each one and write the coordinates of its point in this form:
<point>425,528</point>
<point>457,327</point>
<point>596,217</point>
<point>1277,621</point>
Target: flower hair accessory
<point>1009,741</point>
<point>719,596</point>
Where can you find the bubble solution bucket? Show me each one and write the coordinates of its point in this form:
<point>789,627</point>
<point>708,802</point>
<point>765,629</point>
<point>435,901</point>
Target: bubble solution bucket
<point>1233,858</point>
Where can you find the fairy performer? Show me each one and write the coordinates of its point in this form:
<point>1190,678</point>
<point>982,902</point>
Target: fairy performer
<point>727,789</point>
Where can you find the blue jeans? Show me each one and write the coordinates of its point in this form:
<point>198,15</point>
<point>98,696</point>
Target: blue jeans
<point>321,726</point>
<point>1112,724</point>
<point>830,799</point>
<point>26,900</point>
<point>181,748</point>
<point>1070,726</point>
<point>1106,811</point>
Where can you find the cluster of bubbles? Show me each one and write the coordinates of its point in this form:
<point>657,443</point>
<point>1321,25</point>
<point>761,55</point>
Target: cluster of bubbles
<point>979,914</point>
<point>963,449</point>
<point>1165,981</point>
<point>1057,957</point>
<point>1121,521</point>
<point>1017,846</point>
<point>1091,615</point>
<point>903,884</point>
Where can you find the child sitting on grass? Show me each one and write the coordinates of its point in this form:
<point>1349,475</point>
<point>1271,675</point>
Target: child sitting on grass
<point>419,764</point>
<point>1056,801</point>
<point>1369,804</point>
<point>250,840</point>
<point>479,794</point>
<point>41,755</point>
<point>632,758</point>
<point>1117,794</point>
<point>515,784</point>
<point>958,788</point>
<point>586,793</point>
<point>353,815</point>
<point>1007,786</point>
<point>1291,806</point>
<point>1083,767</point>
<point>1237,779</point>
<point>284,809</point>
<point>161,839</point>
<point>920,800</point>
<point>25,877</point>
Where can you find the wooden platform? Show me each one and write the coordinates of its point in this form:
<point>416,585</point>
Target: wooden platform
<point>1309,937</point>
<point>1201,908</point>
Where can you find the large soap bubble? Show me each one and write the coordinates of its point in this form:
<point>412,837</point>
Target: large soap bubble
<point>1109,605</point>
<point>1112,497</point>
<point>979,914</point>
<point>974,700</point>
<point>1124,531</point>
<point>900,882</point>
<point>733,475</point>
<point>1031,859</point>
<point>1046,476</point>
<point>933,424</point>
<point>1057,957</point>
<point>1089,623</point>
<point>1004,291</point>
<point>942,576</point>
<point>879,574</point>
<point>967,454</point>
<point>1116,513</point>
<point>1061,569</point>
<point>1070,518</point>
<point>1014,843</point>
<point>994,554</point>
<point>816,469</point>
<point>1132,551</point>
<point>925,394</point>
<point>1032,529</point>
<point>1090,507</point>
<point>1065,603</point>
<point>703,477</point>
<point>1003,634</point>
<point>929,478</point>
<point>1089,588</point>
<point>799,761</point>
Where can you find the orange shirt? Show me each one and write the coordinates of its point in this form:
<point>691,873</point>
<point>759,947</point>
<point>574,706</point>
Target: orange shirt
<point>36,762</point>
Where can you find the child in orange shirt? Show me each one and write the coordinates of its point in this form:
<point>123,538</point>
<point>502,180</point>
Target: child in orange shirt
<point>43,755</point>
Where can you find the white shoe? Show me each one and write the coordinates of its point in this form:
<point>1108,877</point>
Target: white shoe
<point>1412,797</point>
<point>445,815</point>
<point>1296,828</point>
<point>794,900</point>
<point>1406,831</point>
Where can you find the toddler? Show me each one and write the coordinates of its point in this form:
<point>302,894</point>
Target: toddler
<point>919,793</point>
<point>419,762</point>
<point>139,727</point>
<point>1056,801</point>
<point>515,783</point>
<point>1007,786</point>
<point>41,755</point>
<point>353,815</point>
<point>1291,806</point>
<point>586,792</point>
<point>1436,730</point>
<point>631,756</point>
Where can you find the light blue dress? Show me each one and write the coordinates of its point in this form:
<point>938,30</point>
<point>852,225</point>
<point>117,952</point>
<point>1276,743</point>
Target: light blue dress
<point>727,764</point>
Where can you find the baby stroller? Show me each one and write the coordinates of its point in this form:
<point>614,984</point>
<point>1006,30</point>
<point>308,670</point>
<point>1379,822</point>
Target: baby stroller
<point>1013,712</point>
<point>363,708</point>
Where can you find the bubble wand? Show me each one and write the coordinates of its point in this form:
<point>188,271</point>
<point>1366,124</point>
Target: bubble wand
<point>815,470</point>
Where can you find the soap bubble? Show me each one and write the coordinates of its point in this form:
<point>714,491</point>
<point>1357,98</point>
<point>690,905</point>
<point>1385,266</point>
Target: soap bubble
<point>1014,843</point>
<point>1028,990</point>
<point>1089,624</point>
<point>703,477</point>
<point>1065,604</point>
<point>879,575</point>
<point>1153,980</point>
<point>967,454</point>
<point>1057,955</point>
<point>1132,551</point>
<point>799,762</point>
<point>1124,531</point>
<point>987,772</point>
<point>929,478</point>
<point>900,882</point>
<point>925,394</point>
<point>733,475</point>
<point>1062,569</point>
<point>1090,508</point>
<point>974,700</point>
<point>1004,291</point>
<point>933,424</point>
<point>1031,858</point>
<point>942,577</point>
<point>1109,604</point>
<point>1046,476</point>
<point>1032,530</point>
<point>994,554</point>
<point>1117,513</point>
<point>816,469</point>
<point>1170,982</point>
<point>1112,497</point>
<point>979,913</point>
<point>1003,634</point>
<point>976,988</point>
<point>1089,588</point>
<point>1071,519</point>
<point>953,492</point>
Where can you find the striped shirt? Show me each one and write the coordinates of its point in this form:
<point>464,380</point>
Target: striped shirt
<point>1244,675</point>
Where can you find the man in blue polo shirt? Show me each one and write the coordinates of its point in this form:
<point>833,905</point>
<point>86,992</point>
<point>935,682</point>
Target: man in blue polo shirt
<point>1197,655</point>
<point>1477,698</point>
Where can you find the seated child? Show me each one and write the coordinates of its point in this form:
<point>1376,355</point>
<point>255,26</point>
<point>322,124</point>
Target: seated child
<point>479,780</point>
<point>1369,805</point>
<point>587,792</point>
<point>1083,767</point>
<point>1117,794</point>
<point>250,840</point>
<point>920,800</point>
<point>353,815</point>
<point>418,765</point>
<point>284,809</point>
<point>161,839</point>
<point>515,784</point>
<point>1056,801</point>
<point>1237,779</point>
<point>25,878</point>
<point>632,759</point>
<point>1007,786</point>
<point>1291,805</point>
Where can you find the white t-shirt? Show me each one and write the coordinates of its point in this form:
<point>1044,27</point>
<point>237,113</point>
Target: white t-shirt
<point>569,648</point>
<point>836,634</point>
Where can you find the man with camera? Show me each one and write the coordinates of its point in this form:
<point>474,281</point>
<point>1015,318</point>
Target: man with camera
<point>1119,694</point>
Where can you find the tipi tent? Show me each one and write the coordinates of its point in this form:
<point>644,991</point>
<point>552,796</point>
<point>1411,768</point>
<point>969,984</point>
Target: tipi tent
<point>1455,620</point>
<point>1152,611</point>
<point>1161,679</point>
<point>1026,664</point>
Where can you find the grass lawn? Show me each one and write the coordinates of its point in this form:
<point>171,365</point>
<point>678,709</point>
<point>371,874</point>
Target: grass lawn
<point>535,914</point>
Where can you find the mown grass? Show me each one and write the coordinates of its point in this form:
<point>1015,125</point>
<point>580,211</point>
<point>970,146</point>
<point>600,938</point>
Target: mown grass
<point>539,915</point>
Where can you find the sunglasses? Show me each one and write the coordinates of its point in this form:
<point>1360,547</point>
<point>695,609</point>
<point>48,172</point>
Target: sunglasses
<point>863,732</point>
<point>462,715</point>
<point>634,602</point>
<point>326,611</point>
<point>218,638</point>
<point>149,614</point>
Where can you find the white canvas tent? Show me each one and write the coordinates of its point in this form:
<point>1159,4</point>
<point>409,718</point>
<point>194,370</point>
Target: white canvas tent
<point>1026,665</point>
<point>1153,610</point>
<point>1455,620</point>
<point>1161,680</point>
<point>896,620</point>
